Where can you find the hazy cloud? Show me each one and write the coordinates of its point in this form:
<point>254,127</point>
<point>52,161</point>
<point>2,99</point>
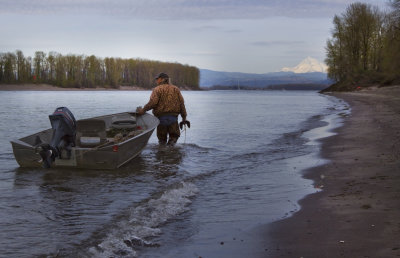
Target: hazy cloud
<point>206,28</point>
<point>234,31</point>
<point>182,9</point>
<point>276,43</point>
<point>204,54</point>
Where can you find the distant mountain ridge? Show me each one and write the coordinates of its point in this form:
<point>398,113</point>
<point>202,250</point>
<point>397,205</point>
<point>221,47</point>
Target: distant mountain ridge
<point>290,76</point>
<point>209,78</point>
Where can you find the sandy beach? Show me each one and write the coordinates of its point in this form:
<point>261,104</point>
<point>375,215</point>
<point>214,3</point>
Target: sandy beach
<point>358,212</point>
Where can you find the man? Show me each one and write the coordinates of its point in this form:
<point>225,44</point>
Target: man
<point>167,103</point>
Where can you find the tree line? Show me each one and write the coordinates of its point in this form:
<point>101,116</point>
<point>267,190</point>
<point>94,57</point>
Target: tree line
<point>365,46</point>
<point>80,71</point>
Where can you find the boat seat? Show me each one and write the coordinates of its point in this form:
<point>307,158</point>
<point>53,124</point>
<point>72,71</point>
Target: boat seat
<point>90,132</point>
<point>127,123</point>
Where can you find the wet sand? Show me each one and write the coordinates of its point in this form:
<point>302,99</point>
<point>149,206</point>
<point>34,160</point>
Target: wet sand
<point>358,212</point>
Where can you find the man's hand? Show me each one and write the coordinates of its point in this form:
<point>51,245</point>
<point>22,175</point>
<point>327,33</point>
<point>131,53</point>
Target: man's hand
<point>140,111</point>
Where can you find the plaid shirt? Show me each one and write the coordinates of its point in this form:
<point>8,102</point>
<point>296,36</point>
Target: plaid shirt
<point>166,99</point>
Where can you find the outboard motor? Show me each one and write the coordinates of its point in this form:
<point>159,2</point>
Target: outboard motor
<point>64,125</point>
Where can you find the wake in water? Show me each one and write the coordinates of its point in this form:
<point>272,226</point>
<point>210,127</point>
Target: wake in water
<point>138,226</point>
<point>143,222</point>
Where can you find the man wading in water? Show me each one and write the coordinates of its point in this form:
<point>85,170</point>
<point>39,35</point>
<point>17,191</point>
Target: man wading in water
<point>167,103</point>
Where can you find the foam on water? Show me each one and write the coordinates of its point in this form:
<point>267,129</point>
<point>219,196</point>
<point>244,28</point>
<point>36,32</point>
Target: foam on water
<point>144,222</point>
<point>332,121</point>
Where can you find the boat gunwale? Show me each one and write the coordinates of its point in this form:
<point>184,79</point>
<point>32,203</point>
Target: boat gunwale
<point>109,144</point>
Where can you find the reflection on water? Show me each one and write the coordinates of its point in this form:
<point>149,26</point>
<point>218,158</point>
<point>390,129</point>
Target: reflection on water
<point>240,167</point>
<point>168,159</point>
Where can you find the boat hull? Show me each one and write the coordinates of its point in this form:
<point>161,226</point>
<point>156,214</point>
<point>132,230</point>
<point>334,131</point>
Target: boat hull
<point>111,156</point>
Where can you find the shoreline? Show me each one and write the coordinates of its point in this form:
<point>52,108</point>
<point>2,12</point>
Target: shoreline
<point>48,87</point>
<point>356,214</point>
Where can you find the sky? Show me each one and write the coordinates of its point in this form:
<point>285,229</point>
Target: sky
<point>251,36</point>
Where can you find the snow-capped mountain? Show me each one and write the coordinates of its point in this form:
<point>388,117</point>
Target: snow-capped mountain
<point>308,65</point>
<point>209,78</point>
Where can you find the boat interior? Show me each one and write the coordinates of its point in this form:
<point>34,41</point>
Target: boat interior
<point>97,131</point>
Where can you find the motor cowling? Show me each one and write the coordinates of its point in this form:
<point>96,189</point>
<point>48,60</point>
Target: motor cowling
<point>63,124</point>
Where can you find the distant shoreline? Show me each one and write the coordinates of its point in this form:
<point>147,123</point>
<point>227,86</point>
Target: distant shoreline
<point>48,87</point>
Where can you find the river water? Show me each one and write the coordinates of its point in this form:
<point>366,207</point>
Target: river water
<point>238,168</point>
